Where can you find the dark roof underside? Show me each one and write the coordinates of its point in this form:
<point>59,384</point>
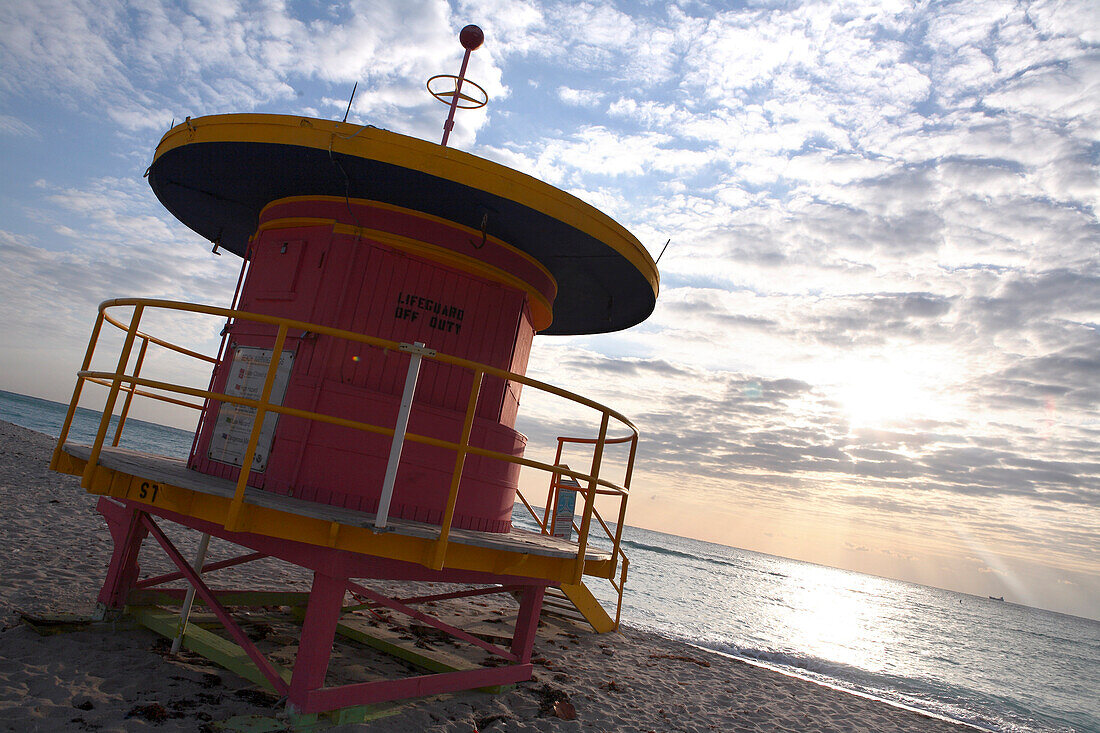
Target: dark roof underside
<point>218,189</point>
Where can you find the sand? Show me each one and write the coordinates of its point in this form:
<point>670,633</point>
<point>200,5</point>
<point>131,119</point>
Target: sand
<point>120,677</point>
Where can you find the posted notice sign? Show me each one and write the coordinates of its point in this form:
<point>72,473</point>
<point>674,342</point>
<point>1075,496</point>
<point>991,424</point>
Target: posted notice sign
<point>565,506</point>
<point>234,427</point>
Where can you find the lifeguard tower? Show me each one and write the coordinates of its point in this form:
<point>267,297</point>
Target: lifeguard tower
<point>359,420</point>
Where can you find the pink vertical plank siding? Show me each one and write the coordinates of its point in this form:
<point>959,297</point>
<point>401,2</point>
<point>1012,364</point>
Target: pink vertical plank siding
<point>345,280</point>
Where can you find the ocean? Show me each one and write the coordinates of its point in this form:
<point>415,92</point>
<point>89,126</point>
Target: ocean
<point>992,664</point>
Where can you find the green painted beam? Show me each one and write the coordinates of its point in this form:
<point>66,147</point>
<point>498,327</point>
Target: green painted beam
<point>205,643</point>
<point>394,649</point>
<point>430,660</point>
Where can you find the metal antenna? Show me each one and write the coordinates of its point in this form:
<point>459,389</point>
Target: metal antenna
<point>350,101</point>
<point>471,38</point>
<point>662,252</point>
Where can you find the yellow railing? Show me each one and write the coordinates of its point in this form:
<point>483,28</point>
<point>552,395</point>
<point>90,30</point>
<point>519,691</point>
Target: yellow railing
<point>120,381</point>
<point>548,520</point>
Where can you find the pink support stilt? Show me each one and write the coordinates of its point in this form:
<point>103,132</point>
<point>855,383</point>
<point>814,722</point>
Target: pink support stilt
<point>527,622</point>
<point>128,532</point>
<point>306,693</point>
<point>315,646</point>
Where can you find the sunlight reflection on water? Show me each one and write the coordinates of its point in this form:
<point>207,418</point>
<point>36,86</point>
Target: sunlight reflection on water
<point>836,616</point>
<point>1002,666</point>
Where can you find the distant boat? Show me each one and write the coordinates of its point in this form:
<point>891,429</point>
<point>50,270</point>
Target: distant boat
<point>995,598</point>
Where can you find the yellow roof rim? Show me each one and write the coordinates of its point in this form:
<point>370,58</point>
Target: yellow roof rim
<point>374,143</point>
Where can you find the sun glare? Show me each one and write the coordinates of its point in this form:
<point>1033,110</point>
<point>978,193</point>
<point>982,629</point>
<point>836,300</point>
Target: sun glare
<point>877,394</point>
<point>834,616</point>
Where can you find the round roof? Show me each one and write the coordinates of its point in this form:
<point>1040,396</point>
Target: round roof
<point>216,173</point>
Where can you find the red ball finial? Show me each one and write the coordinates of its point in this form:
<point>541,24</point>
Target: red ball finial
<point>471,37</point>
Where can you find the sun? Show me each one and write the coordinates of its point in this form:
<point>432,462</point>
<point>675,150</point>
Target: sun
<point>881,394</point>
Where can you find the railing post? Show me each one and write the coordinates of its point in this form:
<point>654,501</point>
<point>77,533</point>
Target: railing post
<point>416,353</point>
<point>130,392</point>
<point>630,461</point>
<point>189,597</point>
<point>621,588</point>
<point>76,392</point>
<point>233,518</point>
<point>590,500</point>
<point>439,552</point>
<point>550,516</point>
<point>112,397</point>
<point>551,493</point>
<point>615,552</point>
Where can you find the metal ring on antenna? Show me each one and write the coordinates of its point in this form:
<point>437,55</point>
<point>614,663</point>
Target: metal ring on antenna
<point>447,96</point>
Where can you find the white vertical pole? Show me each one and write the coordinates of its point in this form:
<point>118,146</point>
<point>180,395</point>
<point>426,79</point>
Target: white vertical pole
<point>416,351</point>
<point>189,599</point>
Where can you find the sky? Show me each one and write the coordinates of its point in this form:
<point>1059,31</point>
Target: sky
<point>876,344</point>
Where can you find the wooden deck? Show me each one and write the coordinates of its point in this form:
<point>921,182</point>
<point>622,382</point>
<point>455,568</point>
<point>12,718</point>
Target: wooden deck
<point>174,472</point>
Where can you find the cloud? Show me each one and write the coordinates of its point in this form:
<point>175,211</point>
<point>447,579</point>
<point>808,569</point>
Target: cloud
<point>16,127</point>
<point>880,297</point>
<point>752,431</point>
<point>579,97</point>
<point>164,59</point>
<point>113,240</point>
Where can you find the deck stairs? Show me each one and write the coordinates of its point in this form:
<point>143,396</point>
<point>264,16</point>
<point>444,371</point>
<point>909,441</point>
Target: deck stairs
<point>576,603</point>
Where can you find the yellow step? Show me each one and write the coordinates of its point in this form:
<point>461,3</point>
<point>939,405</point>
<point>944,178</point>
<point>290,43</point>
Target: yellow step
<point>590,608</point>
